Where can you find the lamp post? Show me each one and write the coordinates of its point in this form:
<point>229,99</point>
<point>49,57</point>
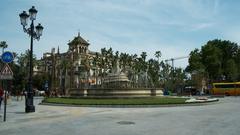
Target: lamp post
<point>34,34</point>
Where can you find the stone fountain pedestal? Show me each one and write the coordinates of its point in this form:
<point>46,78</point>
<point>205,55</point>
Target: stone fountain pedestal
<point>116,92</point>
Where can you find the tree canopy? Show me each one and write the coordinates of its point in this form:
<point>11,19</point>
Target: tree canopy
<point>218,59</point>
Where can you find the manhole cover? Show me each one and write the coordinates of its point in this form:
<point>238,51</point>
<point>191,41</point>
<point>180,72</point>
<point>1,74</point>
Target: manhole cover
<point>126,122</point>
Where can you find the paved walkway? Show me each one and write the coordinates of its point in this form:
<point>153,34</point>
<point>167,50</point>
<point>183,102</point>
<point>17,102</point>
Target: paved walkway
<point>215,119</point>
<point>16,111</point>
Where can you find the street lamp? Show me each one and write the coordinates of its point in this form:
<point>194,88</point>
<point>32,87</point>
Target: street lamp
<point>34,34</point>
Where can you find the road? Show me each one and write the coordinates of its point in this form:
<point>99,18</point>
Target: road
<point>220,118</point>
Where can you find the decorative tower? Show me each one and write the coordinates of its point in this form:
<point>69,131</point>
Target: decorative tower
<point>78,45</point>
<point>78,51</point>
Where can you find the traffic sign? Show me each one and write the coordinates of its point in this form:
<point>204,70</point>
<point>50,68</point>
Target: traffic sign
<point>7,57</point>
<point>6,73</point>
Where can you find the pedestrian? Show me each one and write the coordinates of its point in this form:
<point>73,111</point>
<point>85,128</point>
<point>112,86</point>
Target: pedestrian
<point>1,97</point>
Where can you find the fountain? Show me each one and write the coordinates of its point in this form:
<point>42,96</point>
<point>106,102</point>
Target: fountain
<point>116,84</point>
<point>116,79</point>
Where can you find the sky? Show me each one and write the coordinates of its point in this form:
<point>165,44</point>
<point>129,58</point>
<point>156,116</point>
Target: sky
<point>174,27</point>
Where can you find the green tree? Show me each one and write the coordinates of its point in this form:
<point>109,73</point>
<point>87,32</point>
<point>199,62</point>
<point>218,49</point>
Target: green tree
<point>195,62</point>
<point>39,80</point>
<point>20,68</point>
<point>231,70</point>
<point>212,60</point>
<point>217,59</point>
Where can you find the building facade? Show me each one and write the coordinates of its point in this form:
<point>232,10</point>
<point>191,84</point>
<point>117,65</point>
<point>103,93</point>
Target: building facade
<point>70,69</point>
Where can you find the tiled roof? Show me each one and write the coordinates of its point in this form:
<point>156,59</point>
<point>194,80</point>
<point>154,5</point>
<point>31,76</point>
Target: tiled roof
<point>78,40</point>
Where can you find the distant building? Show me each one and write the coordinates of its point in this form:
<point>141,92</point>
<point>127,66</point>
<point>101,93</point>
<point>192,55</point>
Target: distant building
<point>70,69</point>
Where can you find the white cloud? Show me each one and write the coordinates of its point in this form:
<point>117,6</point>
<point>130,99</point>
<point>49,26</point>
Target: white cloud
<point>200,26</point>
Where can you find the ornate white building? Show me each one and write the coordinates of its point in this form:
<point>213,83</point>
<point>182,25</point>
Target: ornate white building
<point>70,69</point>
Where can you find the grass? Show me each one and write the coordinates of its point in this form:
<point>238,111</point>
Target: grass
<point>131,101</point>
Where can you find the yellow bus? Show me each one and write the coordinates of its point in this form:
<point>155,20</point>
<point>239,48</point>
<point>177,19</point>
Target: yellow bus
<point>228,89</point>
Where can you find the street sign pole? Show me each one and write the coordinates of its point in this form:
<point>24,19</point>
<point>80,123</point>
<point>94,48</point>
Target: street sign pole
<point>6,74</point>
<point>5,103</point>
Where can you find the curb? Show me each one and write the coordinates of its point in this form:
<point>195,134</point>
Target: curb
<point>133,106</point>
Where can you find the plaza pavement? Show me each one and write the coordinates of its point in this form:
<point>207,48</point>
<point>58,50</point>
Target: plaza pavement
<point>221,118</point>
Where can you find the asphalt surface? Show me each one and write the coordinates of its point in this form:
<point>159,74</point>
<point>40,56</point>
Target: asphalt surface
<point>221,118</point>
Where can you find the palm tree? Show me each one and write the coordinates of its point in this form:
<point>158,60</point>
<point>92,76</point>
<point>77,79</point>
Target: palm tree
<point>137,67</point>
<point>102,64</point>
<point>86,63</point>
<point>22,62</point>
<point>110,58</point>
<point>124,60</point>
<point>64,65</point>
<point>143,61</point>
<point>153,72</point>
<point>134,68</point>
<point>95,62</point>
<point>115,59</point>
<point>3,45</point>
<point>144,56</point>
<point>23,59</point>
<point>158,54</point>
<point>165,73</point>
<point>143,65</point>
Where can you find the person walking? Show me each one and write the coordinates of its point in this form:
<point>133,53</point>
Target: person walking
<point>1,97</point>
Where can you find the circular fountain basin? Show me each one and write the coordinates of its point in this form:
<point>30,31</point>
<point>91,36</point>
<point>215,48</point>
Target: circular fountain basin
<point>116,92</point>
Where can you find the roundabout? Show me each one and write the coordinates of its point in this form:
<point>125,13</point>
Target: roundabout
<point>220,118</point>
